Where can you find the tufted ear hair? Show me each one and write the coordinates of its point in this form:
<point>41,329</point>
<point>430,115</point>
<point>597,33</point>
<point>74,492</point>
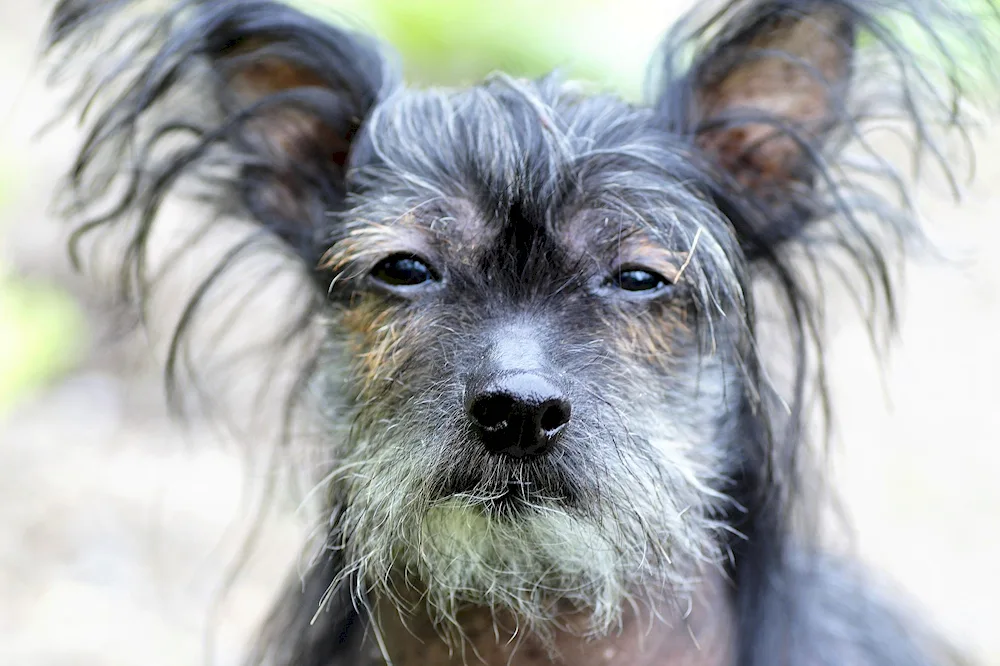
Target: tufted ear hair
<point>776,88</point>
<point>767,96</point>
<point>252,83</point>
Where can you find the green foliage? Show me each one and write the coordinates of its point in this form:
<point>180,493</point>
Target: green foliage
<point>39,337</point>
<point>960,57</point>
<point>40,329</point>
<point>452,42</point>
<point>463,41</point>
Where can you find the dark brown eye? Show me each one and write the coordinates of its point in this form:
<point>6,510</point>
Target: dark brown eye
<point>639,279</point>
<point>402,270</point>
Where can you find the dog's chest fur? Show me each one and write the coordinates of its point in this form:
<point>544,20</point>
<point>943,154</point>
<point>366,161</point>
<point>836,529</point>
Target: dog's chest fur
<point>702,638</point>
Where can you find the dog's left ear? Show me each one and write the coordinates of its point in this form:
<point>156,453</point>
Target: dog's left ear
<point>761,101</point>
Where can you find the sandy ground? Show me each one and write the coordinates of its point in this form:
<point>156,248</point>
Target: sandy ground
<point>115,524</point>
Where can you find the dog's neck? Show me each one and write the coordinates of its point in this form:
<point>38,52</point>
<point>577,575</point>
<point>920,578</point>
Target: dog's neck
<point>702,636</point>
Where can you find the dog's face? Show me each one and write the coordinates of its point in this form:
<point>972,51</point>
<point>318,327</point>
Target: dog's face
<point>533,349</point>
<point>540,358</point>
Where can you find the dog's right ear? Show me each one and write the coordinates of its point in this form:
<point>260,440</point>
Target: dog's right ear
<point>253,83</point>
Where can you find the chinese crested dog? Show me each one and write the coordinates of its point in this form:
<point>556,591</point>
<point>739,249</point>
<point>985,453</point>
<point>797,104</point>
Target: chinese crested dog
<point>550,428</point>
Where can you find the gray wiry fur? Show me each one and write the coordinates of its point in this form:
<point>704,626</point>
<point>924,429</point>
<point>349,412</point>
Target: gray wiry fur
<point>663,459</point>
<point>526,202</point>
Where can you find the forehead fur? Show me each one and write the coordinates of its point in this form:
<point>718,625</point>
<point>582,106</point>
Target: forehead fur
<point>538,169</point>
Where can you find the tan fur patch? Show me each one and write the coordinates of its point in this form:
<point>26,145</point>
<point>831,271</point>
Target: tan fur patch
<point>650,336</point>
<point>375,331</point>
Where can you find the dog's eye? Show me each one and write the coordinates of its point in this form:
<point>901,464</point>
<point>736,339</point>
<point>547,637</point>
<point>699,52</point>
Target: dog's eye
<point>402,270</point>
<point>639,279</point>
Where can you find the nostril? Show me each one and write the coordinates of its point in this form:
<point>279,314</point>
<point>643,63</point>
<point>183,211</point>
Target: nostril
<point>492,411</point>
<point>517,413</point>
<point>554,415</point>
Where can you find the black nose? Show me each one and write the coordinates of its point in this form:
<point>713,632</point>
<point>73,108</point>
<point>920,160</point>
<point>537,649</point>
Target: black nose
<point>517,413</point>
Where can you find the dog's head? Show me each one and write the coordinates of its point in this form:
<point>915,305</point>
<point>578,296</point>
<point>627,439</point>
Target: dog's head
<point>539,375</point>
<point>534,347</point>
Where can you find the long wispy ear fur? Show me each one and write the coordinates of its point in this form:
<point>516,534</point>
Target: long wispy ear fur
<point>253,108</point>
<point>783,101</point>
<point>206,85</point>
<point>772,91</point>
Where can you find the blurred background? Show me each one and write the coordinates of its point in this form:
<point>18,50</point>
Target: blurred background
<point>116,525</point>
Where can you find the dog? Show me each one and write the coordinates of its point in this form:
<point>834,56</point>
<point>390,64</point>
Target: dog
<point>551,432</point>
